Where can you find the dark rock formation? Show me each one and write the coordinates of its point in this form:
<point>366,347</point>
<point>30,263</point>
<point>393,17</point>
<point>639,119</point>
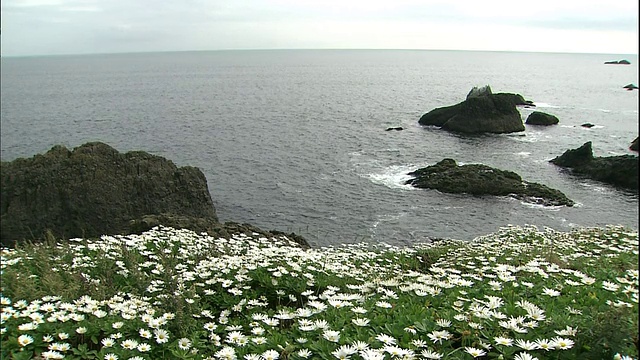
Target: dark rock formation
<point>620,171</point>
<point>619,62</point>
<point>478,179</point>
<point>575,157</point>
<point>481,112</point>
<point>95,190</point>
<point>634,145</point>
<point>630,87</point>
<point>540,118</point>
<point>587,125</point>
<point>479,91</point>
<point>515,99</point>
<point>395,128</point>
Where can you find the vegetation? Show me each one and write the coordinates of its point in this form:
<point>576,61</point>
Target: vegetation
<point>520,293</point>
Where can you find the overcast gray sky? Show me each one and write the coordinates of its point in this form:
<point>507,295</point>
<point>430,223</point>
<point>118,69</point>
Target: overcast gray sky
<point>43,27</point>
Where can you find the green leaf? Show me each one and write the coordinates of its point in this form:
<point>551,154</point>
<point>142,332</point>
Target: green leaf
<point>22,355</point>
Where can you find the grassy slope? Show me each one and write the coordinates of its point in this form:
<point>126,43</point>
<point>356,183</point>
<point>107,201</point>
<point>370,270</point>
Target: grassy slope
<point>171,294</point>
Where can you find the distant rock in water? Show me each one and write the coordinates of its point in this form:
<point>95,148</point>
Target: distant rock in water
<point>477,179</point>
<point>540,118</point>
<point>481,112</point>
<point>619,62</point>
<point>620,171</point>
<point>587,125</point>
<point>630,87</point>
<point>634,145</point>
<point>95,190</point>
<point>395,128</point>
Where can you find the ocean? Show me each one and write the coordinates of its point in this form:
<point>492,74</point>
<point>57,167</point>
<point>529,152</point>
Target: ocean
<point>295,140</point>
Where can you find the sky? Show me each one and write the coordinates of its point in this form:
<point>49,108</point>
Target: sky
<point>55,27</point>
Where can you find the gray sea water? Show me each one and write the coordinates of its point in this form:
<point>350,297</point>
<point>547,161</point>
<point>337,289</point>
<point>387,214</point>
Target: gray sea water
<point>296,141</point>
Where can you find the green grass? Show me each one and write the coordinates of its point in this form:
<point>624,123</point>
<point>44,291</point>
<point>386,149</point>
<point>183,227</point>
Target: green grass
<point>520,293</point>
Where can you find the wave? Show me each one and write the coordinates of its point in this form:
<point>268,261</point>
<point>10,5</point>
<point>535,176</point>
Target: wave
<point>597,188</point>
<point>386,217</point>
<point>549,208</point>
<point>569,224</point>
<point>545,105</point>
<point>551,106</point>
<point>582,127</point>
<point>530,137</point>
<point>539,206</point>
<point>393,176</point>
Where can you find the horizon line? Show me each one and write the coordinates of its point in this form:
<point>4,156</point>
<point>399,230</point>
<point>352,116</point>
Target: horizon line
<point>307,49</point>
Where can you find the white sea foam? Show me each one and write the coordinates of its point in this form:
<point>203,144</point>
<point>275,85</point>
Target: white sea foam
<point>597,188</point>
<point>568,224</point>
<point>387,217</point>
<point>393,176</point>
<point>531,137</point>
<point>545,105</point>
<point>539,206</point>
<point>523,154</point>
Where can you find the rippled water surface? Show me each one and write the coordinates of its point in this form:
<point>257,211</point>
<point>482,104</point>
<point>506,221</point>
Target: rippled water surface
<point>296,140</point>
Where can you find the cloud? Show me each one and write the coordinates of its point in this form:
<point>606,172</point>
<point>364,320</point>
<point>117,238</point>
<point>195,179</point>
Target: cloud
<point>622,23</point>
<point>82,8</point>
<point>85,26</point>
<point>30,3</point>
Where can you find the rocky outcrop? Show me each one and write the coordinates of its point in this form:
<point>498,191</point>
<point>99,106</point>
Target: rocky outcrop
<point>397,128</point>
<point>619,62</point>
<point>540,118</point>
<point>620,171</point>
<point>481,112</point>
<point>630,87</point>
<point>634,145</point>
<point>477,179</point>
<point>479,91</point>
<point>95,190</point>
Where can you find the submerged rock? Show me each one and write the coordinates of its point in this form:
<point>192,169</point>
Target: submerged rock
<point>620,171</point>
<point>477,179</point>
<point>481,112</point>
<point>630,87</point>
<point>540,118</point>
<point>398,128</point>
